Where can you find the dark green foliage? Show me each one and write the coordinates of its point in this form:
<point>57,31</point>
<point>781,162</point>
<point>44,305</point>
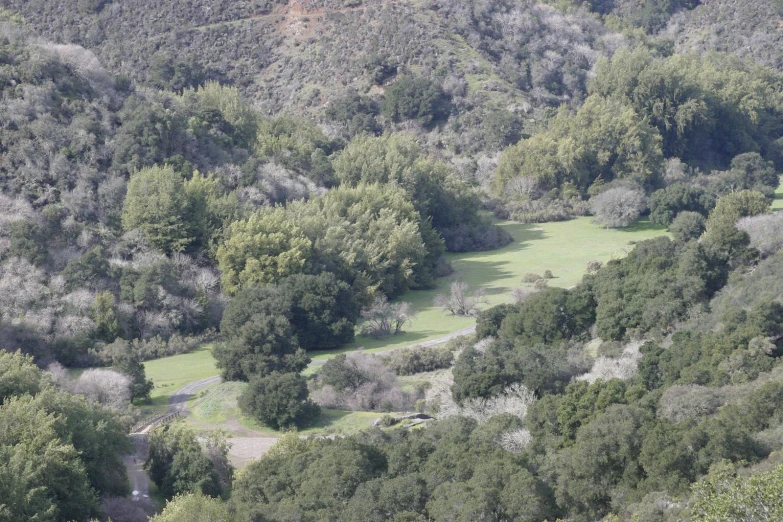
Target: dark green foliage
<point>128,363</point>
<point>27,241</point>
<point>168,74</point>
<point>550,316</point>
<point>341,374</point>
<point>653,286</point>
<point>279,400</point>
<point>666,204</point>
<point>606,448</point>
<point>354,111</point>
<point>541,368</point>
<point>267,327</point>
<point>478,374</point>
<point>323,474</point>
<point>323,310</point>
<point>88,270</point>
<point>687,225</point>
<point>415,98</point>
<point>489,320</point>
<point>583,401</point>
<point>262,345</point>
<point>453,470</point>
<point>177,464</point>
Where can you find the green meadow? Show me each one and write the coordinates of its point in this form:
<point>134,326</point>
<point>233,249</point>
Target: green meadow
<point>564,247</point>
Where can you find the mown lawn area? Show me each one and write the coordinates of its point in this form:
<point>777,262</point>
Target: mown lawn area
<point>777,204</point>
<point>171,373</point>
<point>565,248</point>
<point>217,405</point>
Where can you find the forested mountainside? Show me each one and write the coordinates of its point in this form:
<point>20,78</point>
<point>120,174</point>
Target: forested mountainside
<point>275,178</point>
<point>498,63</point>
<point>748,29</point>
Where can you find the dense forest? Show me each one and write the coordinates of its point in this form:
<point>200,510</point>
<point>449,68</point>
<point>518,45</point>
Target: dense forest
<point>275,177</point>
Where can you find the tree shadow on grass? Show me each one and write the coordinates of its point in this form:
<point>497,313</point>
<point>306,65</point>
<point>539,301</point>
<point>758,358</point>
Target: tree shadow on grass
<point>642,225</point>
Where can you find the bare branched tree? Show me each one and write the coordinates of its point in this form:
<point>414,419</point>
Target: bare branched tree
<point>105,387</point>
<point>460,301</point>
<point>383,318</point>
<point>522,187</point>
<point>617,207</point>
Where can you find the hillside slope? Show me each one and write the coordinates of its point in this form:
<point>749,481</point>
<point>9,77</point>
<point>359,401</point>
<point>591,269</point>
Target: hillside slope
<point>512,56</point>
<point>752,29</point>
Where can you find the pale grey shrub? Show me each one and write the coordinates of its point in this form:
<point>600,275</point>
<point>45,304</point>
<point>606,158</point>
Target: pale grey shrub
<point>617,207</point>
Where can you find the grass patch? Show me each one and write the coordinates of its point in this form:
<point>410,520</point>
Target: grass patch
<point>777,203</point>
<point>171,373</point>
<point>218,405</point>
<point>565,248</point>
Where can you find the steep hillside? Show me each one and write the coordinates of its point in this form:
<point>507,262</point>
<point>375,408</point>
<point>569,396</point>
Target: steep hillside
<point>518,57</point>
<point>752,29</point>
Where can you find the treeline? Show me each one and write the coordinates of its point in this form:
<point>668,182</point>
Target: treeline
<point>137,211</point>
<point>715,120</point>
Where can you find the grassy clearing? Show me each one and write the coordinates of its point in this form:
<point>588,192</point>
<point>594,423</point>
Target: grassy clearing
<point>171,373</point>
<point>777,204</point>
<point>218,405</point>
<point>565,248</point>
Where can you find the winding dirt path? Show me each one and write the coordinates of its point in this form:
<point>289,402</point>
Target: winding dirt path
<point>134,463</point>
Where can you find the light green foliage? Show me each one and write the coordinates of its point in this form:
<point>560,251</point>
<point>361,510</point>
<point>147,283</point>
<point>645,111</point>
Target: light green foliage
<point>296,143</point>
<point>231,104</point>
<point>104,313</point>
<point>194,507</point>
<point>157,204</point>
<point>265,247</point>
<point>18,375</point>
<point>731,207</point>
<point>605,138</point>
<point>58,453</point>
<point>369,236</point>
<point>41,476</point>
<point>432,187</point>
<point>725,497</point>
<point>703,106</point>
<point>721,233</point>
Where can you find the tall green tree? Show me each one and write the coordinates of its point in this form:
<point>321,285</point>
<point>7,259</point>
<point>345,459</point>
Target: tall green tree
<point>127,362</point>
<point>177,463</point>
<point>156,203</point>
